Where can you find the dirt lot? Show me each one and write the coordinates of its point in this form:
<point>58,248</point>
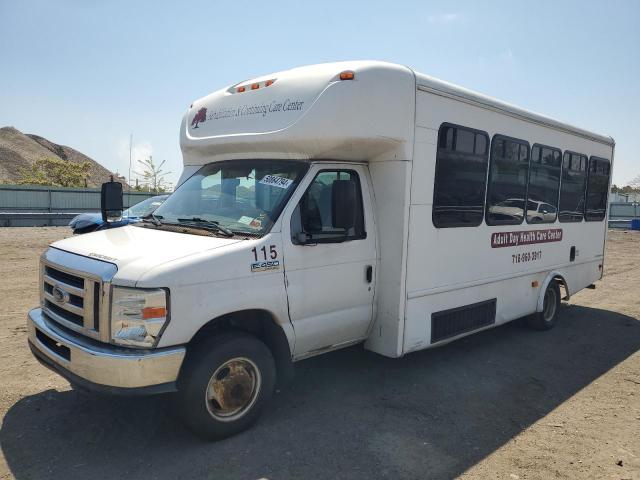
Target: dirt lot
<point>507,403</point>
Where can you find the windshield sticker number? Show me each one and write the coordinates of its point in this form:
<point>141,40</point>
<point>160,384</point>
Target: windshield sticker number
<point>275,181</point>
<point>265,259</point>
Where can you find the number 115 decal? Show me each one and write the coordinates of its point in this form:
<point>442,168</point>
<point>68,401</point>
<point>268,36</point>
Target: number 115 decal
<point>265,259</point>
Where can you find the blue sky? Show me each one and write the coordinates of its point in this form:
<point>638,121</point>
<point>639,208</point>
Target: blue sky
<point>87,73</point>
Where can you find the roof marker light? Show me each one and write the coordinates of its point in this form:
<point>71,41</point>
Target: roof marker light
<point>347,75</point>
<point>269,82</point>
<point>240,89</point>
<point>255,86</point>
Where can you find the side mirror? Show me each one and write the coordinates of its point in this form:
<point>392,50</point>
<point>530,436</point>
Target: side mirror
<point>111,204</point>
<point>343,204</point>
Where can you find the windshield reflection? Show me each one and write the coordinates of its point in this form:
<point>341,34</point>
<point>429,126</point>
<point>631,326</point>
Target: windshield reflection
<point>244,196</point>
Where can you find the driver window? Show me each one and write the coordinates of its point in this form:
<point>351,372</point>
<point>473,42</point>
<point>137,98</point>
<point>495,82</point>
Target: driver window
<point>319,210</point>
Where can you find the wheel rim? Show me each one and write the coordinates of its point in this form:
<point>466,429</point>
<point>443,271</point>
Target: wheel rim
<point>233,389</point>
<point>549,304</point>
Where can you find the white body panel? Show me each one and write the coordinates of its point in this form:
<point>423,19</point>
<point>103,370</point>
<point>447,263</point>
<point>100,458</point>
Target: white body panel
<point>385,122</point>
<point>330,300</point>
<point>457,266</point>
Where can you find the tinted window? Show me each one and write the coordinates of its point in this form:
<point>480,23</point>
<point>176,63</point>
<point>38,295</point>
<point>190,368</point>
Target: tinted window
<point>315,213</point>
<point>597,189</point>
<point>508,171</point>
<point>574,178</point>
<point>460,178</point>
<point>544,184</point>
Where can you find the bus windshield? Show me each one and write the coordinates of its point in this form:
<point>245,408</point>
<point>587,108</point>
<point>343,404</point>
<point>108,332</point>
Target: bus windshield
<point>243,196</point>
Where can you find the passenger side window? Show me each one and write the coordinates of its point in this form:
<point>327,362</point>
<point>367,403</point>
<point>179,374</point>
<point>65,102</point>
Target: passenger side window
<point>597,189</point>
<point>544,184</point>
<point>508,172</point>
<point>460,177</point>
<point>331,210</point>
<point>572,189</point>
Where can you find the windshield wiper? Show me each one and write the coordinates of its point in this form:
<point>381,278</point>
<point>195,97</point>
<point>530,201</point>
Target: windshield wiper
<point>155,219</point>
<point>210,224</point>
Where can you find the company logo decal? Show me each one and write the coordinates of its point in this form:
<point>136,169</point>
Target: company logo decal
<point>527,237</point>
<point>199,117</point>
<point>248,110</point>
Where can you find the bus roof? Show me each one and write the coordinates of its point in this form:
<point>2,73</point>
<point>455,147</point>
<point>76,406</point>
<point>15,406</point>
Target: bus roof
<point>281,114</point>
<point>439,87</point>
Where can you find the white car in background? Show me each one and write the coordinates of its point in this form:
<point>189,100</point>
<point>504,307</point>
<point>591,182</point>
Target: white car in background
<point>537,212</point>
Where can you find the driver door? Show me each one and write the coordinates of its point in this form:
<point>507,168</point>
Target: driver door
<point>330,270</point>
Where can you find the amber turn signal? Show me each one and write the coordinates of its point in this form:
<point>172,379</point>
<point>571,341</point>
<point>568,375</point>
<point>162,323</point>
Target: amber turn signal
<point>154,312</point>
<point>347,75</point>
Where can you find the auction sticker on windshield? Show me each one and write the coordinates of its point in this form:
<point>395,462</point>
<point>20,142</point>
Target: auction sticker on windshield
<point>275,181</point>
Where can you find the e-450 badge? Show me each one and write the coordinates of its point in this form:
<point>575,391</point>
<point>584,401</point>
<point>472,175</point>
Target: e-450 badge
<point>265,266</point>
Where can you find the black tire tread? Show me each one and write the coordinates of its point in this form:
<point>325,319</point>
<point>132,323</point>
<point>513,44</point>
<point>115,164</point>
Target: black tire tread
<point>537,321</point>
<point>202,360</point>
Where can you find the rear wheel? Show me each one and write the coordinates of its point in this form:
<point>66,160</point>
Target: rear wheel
<point>546,319</point>
<point>226,382</point>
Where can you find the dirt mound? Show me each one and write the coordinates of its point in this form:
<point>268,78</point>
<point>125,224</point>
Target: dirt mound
<point>19,150</point>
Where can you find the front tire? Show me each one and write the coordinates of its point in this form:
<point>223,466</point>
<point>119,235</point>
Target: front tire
<point>226,381</point>
<point>546,319</point>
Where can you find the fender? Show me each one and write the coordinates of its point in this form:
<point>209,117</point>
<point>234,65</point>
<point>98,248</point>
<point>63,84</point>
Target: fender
<point>263,325</point>
<point>553,275</point>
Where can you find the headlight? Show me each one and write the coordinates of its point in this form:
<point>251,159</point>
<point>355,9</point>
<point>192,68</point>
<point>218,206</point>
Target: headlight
<point>138,316</point>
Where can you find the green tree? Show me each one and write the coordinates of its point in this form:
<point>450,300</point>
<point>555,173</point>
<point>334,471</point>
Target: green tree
<point>153,176</point>
<point>57,172</point>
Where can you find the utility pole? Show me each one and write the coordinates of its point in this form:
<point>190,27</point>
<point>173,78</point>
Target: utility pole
<point>130,149</point>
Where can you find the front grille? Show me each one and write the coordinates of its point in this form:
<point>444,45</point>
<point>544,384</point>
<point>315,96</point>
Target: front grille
<point>72,299</point>
<point>64,277</point>
<point>61,312</point>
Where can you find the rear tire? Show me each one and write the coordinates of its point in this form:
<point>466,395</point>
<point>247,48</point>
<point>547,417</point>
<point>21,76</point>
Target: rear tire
<point>546,319</point>
<point>226,382</point>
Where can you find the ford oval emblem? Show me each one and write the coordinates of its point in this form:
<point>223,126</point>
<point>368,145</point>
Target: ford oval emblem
<point>59,295</point>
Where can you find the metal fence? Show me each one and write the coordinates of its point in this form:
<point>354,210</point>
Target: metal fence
<point>33,205</point>
<point>621,214</point>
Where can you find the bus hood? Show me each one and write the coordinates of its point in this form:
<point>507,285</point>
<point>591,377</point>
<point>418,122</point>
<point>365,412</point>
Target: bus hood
<point>136,250</point>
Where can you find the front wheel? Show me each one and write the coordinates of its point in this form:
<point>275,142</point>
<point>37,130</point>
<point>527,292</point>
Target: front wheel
<point>546,319</point>
<point>226,381</point>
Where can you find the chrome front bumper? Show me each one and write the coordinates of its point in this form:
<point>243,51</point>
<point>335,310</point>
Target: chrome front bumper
<point>103,367</point>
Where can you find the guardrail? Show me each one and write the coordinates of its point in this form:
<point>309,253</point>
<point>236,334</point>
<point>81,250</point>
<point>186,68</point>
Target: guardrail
<point>36,219</point>
<point>35,205</point>
<point>621,214</point>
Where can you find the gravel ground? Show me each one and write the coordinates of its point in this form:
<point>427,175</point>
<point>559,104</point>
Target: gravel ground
<point>506,403</point>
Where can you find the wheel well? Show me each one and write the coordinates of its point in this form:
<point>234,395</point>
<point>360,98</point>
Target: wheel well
<point>262,325</point>
<point>562,283</point>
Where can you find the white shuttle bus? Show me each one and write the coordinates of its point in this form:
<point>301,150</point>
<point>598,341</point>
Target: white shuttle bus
<point>321,207</point>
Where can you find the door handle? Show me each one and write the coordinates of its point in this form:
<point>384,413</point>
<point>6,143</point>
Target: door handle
<point>369,273</point>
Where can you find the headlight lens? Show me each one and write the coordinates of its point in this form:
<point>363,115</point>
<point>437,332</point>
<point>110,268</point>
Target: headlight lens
<point>138,316</point>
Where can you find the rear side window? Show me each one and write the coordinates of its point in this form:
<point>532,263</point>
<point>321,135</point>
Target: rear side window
<point>460,178</point>
<point>508,172</point>
<point>544,184</point>
<point>574,180</point>
<point>597,189</point>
